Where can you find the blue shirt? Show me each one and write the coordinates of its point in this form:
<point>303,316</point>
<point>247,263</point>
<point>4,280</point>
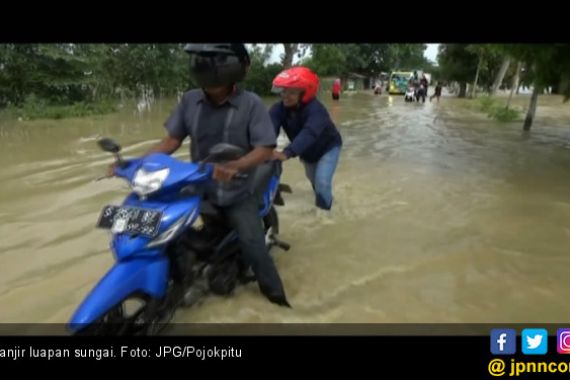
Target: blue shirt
<point>309,128</point>
<point>241,120</point>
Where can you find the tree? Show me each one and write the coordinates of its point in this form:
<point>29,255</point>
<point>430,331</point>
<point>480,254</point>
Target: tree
<point>287,57</point>
<point>515,83</point>
<point>485,57</point>
<point>329,59</point>
<point>69,73</point>
<point>546,65</point>
<point>480,53</point>
<point>260,75</point>
<point>532,108</point>
<point>261,53</point>
<point>366,59</point>
<point>500,75</point>
<point>457,63</point>
<point>54,72</point>
<point>290,51</point>
<point>136,67</point>
<point>476,63</point>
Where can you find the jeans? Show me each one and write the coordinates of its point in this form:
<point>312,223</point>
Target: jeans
<point>244,218</point>
<point>320,174</point>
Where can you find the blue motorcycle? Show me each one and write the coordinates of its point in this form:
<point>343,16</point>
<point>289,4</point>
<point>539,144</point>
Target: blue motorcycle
<point>164,259</point>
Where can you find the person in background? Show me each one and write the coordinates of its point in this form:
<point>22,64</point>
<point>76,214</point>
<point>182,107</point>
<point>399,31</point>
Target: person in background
<point>378,88</point>
<point>336,89</point>
<point>424,82</point>
<point>437,92</point>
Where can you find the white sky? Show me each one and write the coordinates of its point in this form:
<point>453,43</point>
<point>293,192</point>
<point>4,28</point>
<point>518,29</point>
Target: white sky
<point>430,53</point>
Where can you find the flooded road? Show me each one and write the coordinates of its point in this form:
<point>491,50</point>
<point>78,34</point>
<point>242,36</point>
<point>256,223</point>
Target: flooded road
<point>440,215</point>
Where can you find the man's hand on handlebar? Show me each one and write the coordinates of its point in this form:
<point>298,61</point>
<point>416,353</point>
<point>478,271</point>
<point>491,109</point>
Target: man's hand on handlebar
<point>225,172</point>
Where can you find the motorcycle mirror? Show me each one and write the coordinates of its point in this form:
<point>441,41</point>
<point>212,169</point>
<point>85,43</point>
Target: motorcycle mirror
<point>109,145</point>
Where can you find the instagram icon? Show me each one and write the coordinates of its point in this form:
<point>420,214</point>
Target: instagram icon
<point>563,341</point>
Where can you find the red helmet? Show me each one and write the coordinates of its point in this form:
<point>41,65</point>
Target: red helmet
<point>300,78</point>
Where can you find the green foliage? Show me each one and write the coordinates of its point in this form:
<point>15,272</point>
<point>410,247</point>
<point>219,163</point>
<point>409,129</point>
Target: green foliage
<point>366,59</point>
<point>497,111</point>
<point>546,64</point>
<point>458,62</point>
<point>61,80</point>
<point>486,103</point>
<point>504,114</point>
<point>260,78</point>
<point>37,108</point>
<point>55,72</point>
<point>162,68</point>
<point>64,74</point>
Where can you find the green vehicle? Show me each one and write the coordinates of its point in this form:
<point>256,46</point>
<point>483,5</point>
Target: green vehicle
<point>398,83</point>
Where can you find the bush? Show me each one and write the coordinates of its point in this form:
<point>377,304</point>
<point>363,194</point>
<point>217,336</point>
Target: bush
<point>486,103</point>
<point>498,112</point>
<point>505,115</point>
<point>260,78</point>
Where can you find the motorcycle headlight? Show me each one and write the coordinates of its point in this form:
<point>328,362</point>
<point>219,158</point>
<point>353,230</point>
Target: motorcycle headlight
<point>146,183</point>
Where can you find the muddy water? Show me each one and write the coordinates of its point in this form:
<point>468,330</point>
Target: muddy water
<point>441,215</point>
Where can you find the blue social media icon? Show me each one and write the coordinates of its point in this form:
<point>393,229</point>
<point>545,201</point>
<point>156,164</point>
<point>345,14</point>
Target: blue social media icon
<point>534,341</point>
<point>503,341</point>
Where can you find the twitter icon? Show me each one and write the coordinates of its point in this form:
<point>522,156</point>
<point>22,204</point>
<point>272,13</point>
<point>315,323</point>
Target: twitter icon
<point>534,341</point>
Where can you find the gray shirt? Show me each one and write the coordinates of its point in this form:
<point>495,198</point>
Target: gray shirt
<point>241,120</point>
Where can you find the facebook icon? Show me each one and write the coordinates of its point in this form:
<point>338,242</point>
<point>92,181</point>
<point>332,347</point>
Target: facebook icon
<point>503,341</point>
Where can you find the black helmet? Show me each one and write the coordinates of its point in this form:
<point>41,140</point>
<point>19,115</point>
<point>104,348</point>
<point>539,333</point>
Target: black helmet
<point>213,65</point>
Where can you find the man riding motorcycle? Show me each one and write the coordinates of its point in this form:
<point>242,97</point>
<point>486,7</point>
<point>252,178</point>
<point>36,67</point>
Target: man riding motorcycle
<point>218,112</point>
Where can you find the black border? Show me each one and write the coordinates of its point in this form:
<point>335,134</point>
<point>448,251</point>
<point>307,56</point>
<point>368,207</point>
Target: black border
<point>394,357</point>
<point>385,356</point>
<point>257,22</point>
<point>382,356</point>
<point>407,356</point>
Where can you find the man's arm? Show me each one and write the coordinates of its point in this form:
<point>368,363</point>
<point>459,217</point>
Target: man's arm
<point>254,158</point>
<point>257,156</point>
<point>313,128</point>
<point>167,145</point>
<point>176,130</point>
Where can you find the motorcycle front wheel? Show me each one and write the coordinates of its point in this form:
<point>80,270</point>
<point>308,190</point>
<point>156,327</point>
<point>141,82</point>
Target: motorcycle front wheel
<point>128,318</point>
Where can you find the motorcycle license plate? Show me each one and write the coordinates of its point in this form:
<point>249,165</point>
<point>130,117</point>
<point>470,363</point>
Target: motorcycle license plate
<point>130,220</point>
